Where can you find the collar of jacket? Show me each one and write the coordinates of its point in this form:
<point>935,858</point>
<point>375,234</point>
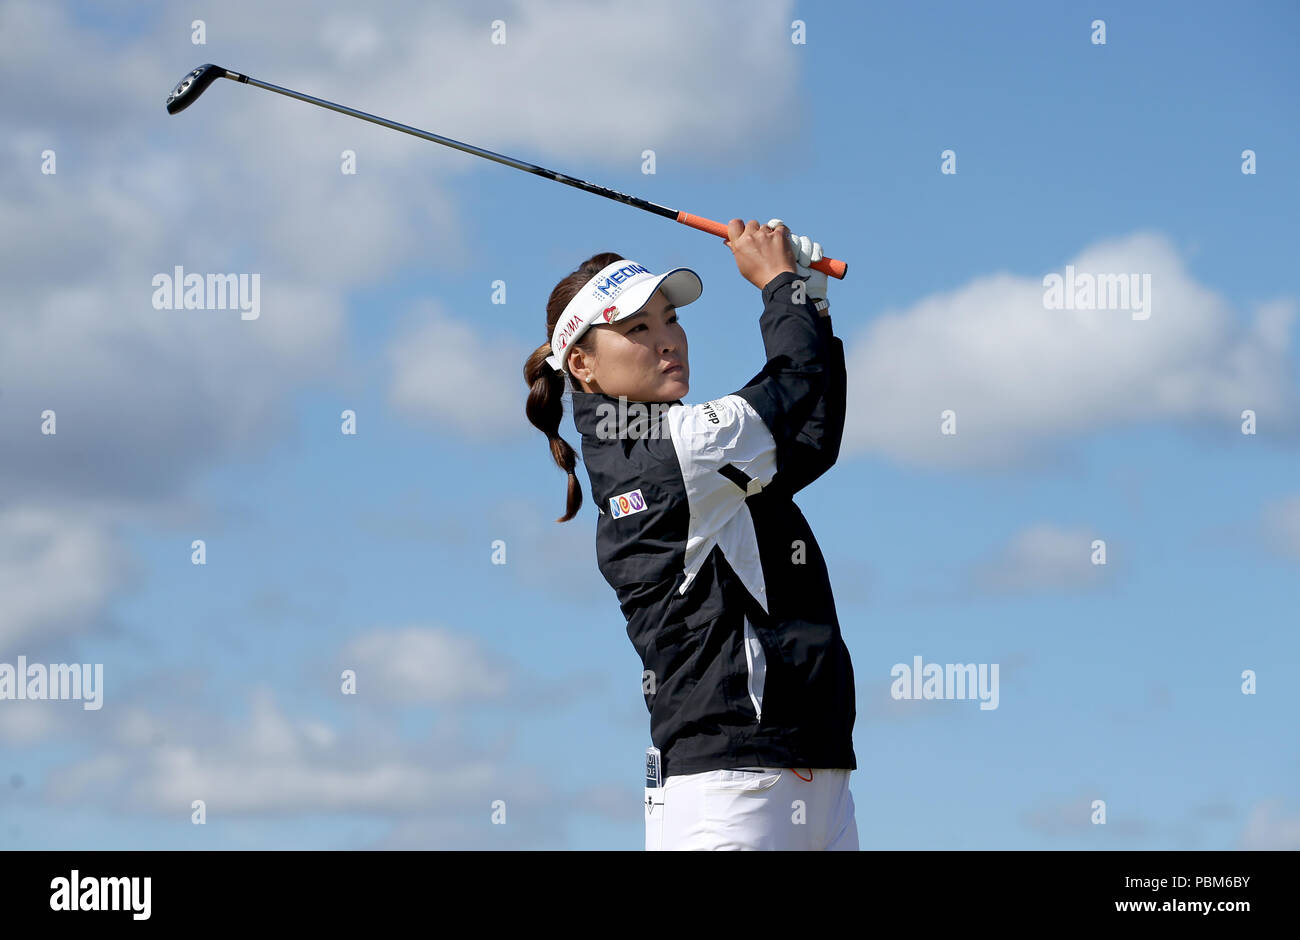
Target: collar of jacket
<point>591,408</point>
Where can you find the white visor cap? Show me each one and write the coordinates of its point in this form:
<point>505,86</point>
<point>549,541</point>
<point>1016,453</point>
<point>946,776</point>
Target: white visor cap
<point>619,291</point>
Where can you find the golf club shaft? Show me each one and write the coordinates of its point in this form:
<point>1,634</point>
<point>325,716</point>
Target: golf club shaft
<point>829,266</point>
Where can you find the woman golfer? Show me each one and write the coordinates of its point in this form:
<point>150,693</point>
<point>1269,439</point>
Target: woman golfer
<point>723,586</point>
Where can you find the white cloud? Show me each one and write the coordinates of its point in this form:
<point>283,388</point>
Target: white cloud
<point>446,372</point>
<point>25,722</point>
<point>1071,818</point>
<point>1019,375</point>
<point>55,570</point>
<point>1268,829</point>
<point>352,38</point>
<point>160,761</point>
<point>145,399</point>
<point>1281,526</point>
<point>424,665</point>
<point>1041,557</point>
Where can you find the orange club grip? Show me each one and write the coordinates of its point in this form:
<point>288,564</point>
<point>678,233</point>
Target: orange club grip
<point>830,266</point>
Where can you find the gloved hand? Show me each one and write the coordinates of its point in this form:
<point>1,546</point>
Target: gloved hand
<point>806,251</point>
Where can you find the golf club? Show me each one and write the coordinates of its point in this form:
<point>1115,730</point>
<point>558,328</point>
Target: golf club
<point>197,81</point>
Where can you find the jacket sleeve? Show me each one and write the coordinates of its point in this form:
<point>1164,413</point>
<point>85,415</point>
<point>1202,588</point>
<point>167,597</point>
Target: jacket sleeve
<point>816,446</point>
<point>805,415</point>
<point>786,422</point>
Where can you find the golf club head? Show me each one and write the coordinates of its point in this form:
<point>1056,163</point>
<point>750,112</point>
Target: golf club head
<point>191,86</point>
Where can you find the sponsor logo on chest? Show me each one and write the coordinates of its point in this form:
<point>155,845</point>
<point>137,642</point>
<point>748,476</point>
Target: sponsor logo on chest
<point>626,504</point>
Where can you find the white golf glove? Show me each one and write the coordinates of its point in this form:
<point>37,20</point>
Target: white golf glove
<point>806,251</point>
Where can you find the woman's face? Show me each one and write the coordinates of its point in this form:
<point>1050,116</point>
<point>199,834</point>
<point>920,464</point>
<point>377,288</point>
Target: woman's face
<point>642,357</point>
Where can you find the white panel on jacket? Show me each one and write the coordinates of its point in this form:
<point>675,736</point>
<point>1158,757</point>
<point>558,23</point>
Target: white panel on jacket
<point>756,661</point>
<point>706,438</point>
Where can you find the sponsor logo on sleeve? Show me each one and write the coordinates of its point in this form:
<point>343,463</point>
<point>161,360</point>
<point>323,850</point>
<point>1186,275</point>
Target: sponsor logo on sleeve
<point>626,504</point>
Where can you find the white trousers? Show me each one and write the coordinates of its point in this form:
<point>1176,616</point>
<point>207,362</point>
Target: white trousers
<point>752,808</point>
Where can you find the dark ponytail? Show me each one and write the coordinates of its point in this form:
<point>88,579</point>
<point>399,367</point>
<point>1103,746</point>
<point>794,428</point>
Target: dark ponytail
<point>545,405</point>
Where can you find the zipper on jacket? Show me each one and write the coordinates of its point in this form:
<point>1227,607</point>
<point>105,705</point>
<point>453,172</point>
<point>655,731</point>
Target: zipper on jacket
<point>756,663</point>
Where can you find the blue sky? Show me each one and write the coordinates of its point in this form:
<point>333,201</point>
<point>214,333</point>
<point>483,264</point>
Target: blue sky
<point>479,682</point>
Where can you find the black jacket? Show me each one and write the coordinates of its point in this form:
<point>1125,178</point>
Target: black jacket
<point>723,585</point>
